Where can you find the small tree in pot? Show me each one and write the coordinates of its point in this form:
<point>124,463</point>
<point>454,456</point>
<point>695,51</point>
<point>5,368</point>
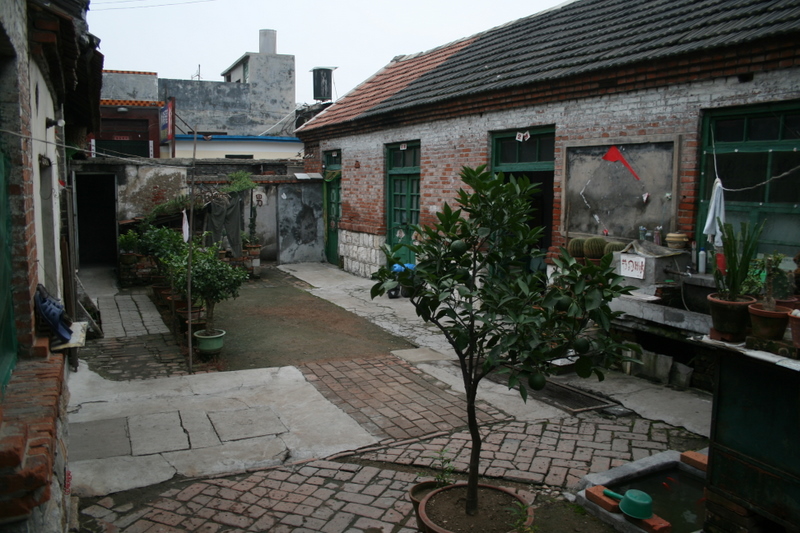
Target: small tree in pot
<point>212,281</point>
<point>472,280</point>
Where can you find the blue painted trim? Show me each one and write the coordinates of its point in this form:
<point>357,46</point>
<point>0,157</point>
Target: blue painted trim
<point>255,138</point>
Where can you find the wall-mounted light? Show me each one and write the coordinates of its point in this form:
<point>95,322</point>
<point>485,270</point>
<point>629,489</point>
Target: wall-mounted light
<point>50,122</point>
<point>122,109</point>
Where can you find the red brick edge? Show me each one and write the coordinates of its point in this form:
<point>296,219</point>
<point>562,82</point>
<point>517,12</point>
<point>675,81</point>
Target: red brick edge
<point>29,412</point>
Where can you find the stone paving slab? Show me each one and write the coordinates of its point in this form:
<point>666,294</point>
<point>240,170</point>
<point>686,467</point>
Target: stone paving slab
<point>156,433</point>
<point>84,444</point>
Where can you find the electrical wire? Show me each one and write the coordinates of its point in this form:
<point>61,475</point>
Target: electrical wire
<point>156,5</point>
<point>125,158</point>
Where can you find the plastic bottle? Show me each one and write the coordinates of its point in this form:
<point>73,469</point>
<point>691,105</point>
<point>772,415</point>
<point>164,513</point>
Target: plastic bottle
<point>701,261</point>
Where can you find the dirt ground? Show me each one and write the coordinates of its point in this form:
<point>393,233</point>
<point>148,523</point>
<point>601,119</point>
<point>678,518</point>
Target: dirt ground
<point>274,322</point>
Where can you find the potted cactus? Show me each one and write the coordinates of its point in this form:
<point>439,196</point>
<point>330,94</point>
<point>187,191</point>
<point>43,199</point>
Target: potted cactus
<point>575,249</point>
<point>612,247</point>
<point>594,248</point>
<point>769,320</point>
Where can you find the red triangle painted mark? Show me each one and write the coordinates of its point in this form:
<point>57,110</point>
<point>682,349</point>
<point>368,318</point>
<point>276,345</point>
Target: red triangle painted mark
<point>615,155</point>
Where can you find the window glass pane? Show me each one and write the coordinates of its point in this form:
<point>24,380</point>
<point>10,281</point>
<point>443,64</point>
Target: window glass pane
<point>508,151</point>
<point>791,127</point>
<point>764,128</point>
<point>527,151</point>
<point>741,170</point>
<point>547,148</point>
<point>729,130</point>
<point>785,190</point>
<point>397,159</point>
<point>779,230</point>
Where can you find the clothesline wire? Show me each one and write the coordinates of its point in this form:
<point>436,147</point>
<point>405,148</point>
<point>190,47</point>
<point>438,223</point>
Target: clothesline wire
<point>716,171</point>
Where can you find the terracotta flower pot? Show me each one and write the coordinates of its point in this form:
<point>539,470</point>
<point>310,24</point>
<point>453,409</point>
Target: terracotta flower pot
<point>793,302</point>
<point>794,323</point>
<point>416,493</point>
<point>769,324</point>
<point>428,526</point>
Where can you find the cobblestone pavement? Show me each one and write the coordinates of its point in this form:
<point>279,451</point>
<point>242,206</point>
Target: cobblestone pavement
<point>364,491</point>
<point>391,398</point>
<point>142,357</point>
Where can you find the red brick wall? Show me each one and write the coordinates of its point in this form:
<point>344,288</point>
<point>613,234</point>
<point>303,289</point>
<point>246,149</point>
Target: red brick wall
<point>631,105</point>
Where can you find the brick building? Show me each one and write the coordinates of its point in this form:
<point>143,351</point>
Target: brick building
<point>680,90</point>
<point>50,74</point>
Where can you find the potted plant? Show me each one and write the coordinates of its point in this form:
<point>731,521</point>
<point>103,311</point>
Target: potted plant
<point>212,281</point>
<point>575,249</point>
<point>472,280</point>
<point>250,243</point>
<point>594,249</point>
<point>728,306</point>
<point>162,244</point>
<point>769,320</point>
<point>128,244</point>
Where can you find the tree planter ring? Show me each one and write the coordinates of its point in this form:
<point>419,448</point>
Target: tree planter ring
<point>427,525</point>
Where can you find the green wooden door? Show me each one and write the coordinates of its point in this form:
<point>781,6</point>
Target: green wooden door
<point>8,332</point>
<point>333,205</point>
<point>403,196</point>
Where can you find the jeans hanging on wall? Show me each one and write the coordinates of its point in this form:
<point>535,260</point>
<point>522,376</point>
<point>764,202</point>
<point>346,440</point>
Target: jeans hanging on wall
<point>226,214</point>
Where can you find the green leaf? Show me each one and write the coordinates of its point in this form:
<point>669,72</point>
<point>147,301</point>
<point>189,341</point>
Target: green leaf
<point>594,298</point>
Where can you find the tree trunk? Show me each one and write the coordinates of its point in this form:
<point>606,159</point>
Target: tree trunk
<point>475,455</point>
<point>209,316</point>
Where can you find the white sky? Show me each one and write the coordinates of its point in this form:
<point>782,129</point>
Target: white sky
<point>357,36</point>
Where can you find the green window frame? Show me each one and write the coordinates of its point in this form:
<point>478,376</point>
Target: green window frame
<point>748,147</point>
<point>530,152</point>
<point>533,152</point>
<point>8,330</point>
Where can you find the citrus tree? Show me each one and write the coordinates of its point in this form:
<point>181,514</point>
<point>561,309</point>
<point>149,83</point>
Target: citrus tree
<point>213,280</point>
<point>474,281</point>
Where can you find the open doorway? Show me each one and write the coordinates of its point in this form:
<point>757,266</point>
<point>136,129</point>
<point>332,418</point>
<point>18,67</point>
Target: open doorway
<point>96,209</point>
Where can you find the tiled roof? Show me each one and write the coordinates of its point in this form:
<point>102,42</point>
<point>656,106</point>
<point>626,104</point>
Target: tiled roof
<point>577,38</point>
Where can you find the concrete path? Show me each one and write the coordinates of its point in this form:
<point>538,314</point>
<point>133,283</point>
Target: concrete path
<point>690,409</point>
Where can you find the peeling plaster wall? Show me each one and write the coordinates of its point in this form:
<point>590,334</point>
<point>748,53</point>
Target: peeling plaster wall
<point>130,86</point>
<point>301,228</point>
<point>139,189</point>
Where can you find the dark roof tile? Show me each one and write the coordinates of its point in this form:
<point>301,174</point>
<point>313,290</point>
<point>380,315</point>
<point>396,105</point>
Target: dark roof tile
<point>577,38</point>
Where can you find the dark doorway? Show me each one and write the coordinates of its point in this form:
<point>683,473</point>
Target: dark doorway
<point>96,201</point>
